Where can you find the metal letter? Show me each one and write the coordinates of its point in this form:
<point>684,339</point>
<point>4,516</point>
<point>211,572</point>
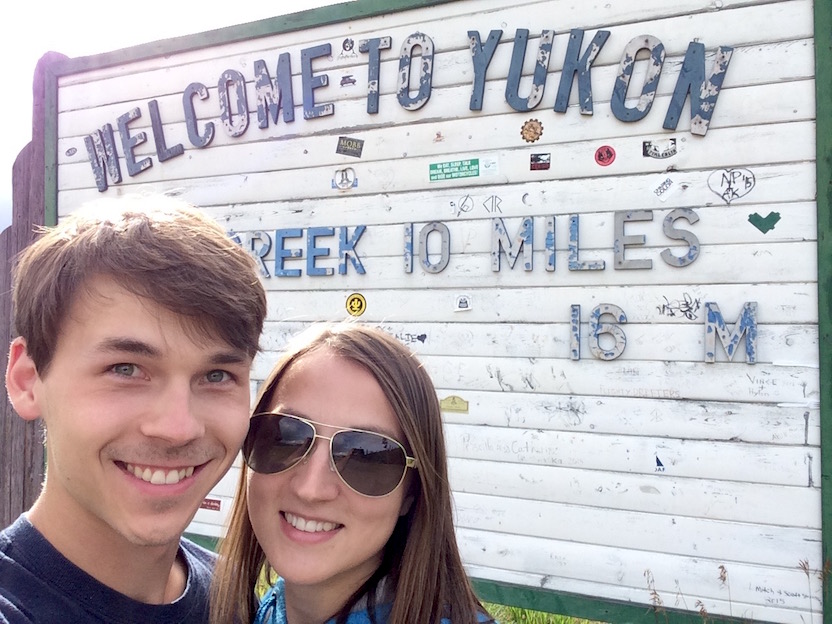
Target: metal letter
<point>128,143</point>
<point>408,248</point>
<point>445,249</point>
<point>481,56</point>
<point>684,235</point>
<point>523,241</point>
<point>597,328</point>
<point>197,140</point>
<point>235,122</point>
<point>574,249</point>
<point>715,325</point>
<point>312,82</point>
<point>272,95</point>
<point>575,333</point>
<point>281,253</point>
<point>651,80</point>
<point>703,90</point>
<point>101,149</point>
<point>622,241</point>
<point>518,54</point>
<point>163,153</point>
<point>372,46</point>
<point>425,71</point>
<point>572,65</point>
<point>346,249</point>
<point>313,252</point>
<point>550,243</point>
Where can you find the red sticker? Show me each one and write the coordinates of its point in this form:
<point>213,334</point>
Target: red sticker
<point>604,155</point>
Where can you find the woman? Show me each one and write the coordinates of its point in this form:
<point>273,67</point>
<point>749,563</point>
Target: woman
<point>345,494</point>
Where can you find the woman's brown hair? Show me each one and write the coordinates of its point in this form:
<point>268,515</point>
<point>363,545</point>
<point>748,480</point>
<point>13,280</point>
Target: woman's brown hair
<point>421,559</point>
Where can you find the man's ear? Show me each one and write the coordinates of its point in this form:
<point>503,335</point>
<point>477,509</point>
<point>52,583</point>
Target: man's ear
<point>21,379</point>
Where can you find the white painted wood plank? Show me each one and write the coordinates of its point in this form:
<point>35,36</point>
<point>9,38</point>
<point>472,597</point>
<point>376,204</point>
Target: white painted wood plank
<point>423,140</point>
<point>783,182</point>
<point>755,148</point>
<point>786,424</point>
<point>659,492</point>
<point>646,531</point>
<point>776,465</point>
<point>699,576</point>
<point>656,380</point>
<point>676,598</point>
<point>792,344</point>
<point>784,303</point>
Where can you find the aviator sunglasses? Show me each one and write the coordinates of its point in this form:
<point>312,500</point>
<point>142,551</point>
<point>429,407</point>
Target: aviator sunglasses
<point>369,463</point>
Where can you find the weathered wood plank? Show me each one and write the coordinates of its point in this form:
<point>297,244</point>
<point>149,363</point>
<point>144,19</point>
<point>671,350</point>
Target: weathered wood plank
<point>680,342</point>
<point>784,304</point>
<point>659,492</point>
<point>749,584</point>
<point>729,542</point>
<point>677,597</point>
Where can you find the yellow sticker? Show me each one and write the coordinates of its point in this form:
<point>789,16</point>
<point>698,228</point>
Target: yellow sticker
<point>454,403</point>
<point>356,304</point>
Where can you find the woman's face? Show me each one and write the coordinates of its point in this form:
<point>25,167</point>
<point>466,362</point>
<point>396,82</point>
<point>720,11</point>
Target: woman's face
<point>313,528</point>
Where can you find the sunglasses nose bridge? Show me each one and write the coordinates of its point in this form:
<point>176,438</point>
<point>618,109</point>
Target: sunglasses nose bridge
<point>328,449</point>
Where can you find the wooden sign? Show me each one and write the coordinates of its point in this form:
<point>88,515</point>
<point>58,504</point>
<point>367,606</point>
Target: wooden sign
<point>597,224</point>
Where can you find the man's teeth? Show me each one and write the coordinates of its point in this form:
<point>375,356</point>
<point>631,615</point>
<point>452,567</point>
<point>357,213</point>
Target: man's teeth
<point>158,476</point>
<point>308,526</point>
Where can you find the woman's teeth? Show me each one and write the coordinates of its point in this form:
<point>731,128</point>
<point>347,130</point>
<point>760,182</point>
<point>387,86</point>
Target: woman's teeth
<point>308,526</point>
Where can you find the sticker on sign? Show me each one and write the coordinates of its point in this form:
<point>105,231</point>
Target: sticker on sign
<point>455,169</point>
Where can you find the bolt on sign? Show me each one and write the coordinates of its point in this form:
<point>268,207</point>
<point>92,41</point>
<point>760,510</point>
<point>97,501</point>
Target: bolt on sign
<point>601,226</point>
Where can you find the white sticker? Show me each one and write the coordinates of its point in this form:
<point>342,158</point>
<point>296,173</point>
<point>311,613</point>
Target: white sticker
<point>463,303</point>
<point>664,186</point>
<point>489,166</point>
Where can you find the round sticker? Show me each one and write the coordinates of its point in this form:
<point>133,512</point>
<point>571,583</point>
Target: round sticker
<point>531,131</point>
<point>604,155</point>
<point>356,304</point>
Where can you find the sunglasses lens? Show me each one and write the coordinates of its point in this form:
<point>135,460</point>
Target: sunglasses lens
<point>276,443</point>
<point>370,464</point>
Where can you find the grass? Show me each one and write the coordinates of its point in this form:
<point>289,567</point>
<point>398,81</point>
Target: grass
<point>516,615</point>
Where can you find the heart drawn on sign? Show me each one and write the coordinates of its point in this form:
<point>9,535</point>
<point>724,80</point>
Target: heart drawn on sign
<point>764,224</point>
<point>731,184</point>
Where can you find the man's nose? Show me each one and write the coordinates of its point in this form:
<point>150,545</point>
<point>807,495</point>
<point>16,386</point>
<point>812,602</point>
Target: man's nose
<point>172,416</point>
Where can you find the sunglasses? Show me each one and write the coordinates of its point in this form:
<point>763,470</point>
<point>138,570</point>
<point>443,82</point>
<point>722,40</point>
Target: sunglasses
<point>369,463</point>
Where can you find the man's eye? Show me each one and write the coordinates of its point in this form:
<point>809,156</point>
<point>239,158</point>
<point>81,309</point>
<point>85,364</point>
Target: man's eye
<point>127,370</point>
<point>217,376</point>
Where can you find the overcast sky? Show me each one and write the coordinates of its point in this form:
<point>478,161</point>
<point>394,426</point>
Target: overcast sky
<point>83,27</point>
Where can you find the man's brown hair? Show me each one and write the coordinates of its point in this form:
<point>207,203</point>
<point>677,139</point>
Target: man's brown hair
<point>158,248</point>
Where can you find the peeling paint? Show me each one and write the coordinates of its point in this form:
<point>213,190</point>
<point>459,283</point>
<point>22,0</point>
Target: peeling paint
<point>574,249</point>
<point>572,65</point>
<point>651,80</point>
<point>703,88</point>
<point>515,71</point>
<point>523,241</point>
<point>422,96</point>
<point>746,326</point>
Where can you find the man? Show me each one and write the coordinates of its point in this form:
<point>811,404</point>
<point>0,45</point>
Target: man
<point>137,326</point>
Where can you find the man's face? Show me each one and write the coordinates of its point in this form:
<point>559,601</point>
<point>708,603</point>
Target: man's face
<point>143,416</point>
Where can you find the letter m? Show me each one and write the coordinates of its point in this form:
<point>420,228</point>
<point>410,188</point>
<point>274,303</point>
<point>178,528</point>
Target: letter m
<point>715,326</point>
<point>269,98</point>
<point>522,242</point>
